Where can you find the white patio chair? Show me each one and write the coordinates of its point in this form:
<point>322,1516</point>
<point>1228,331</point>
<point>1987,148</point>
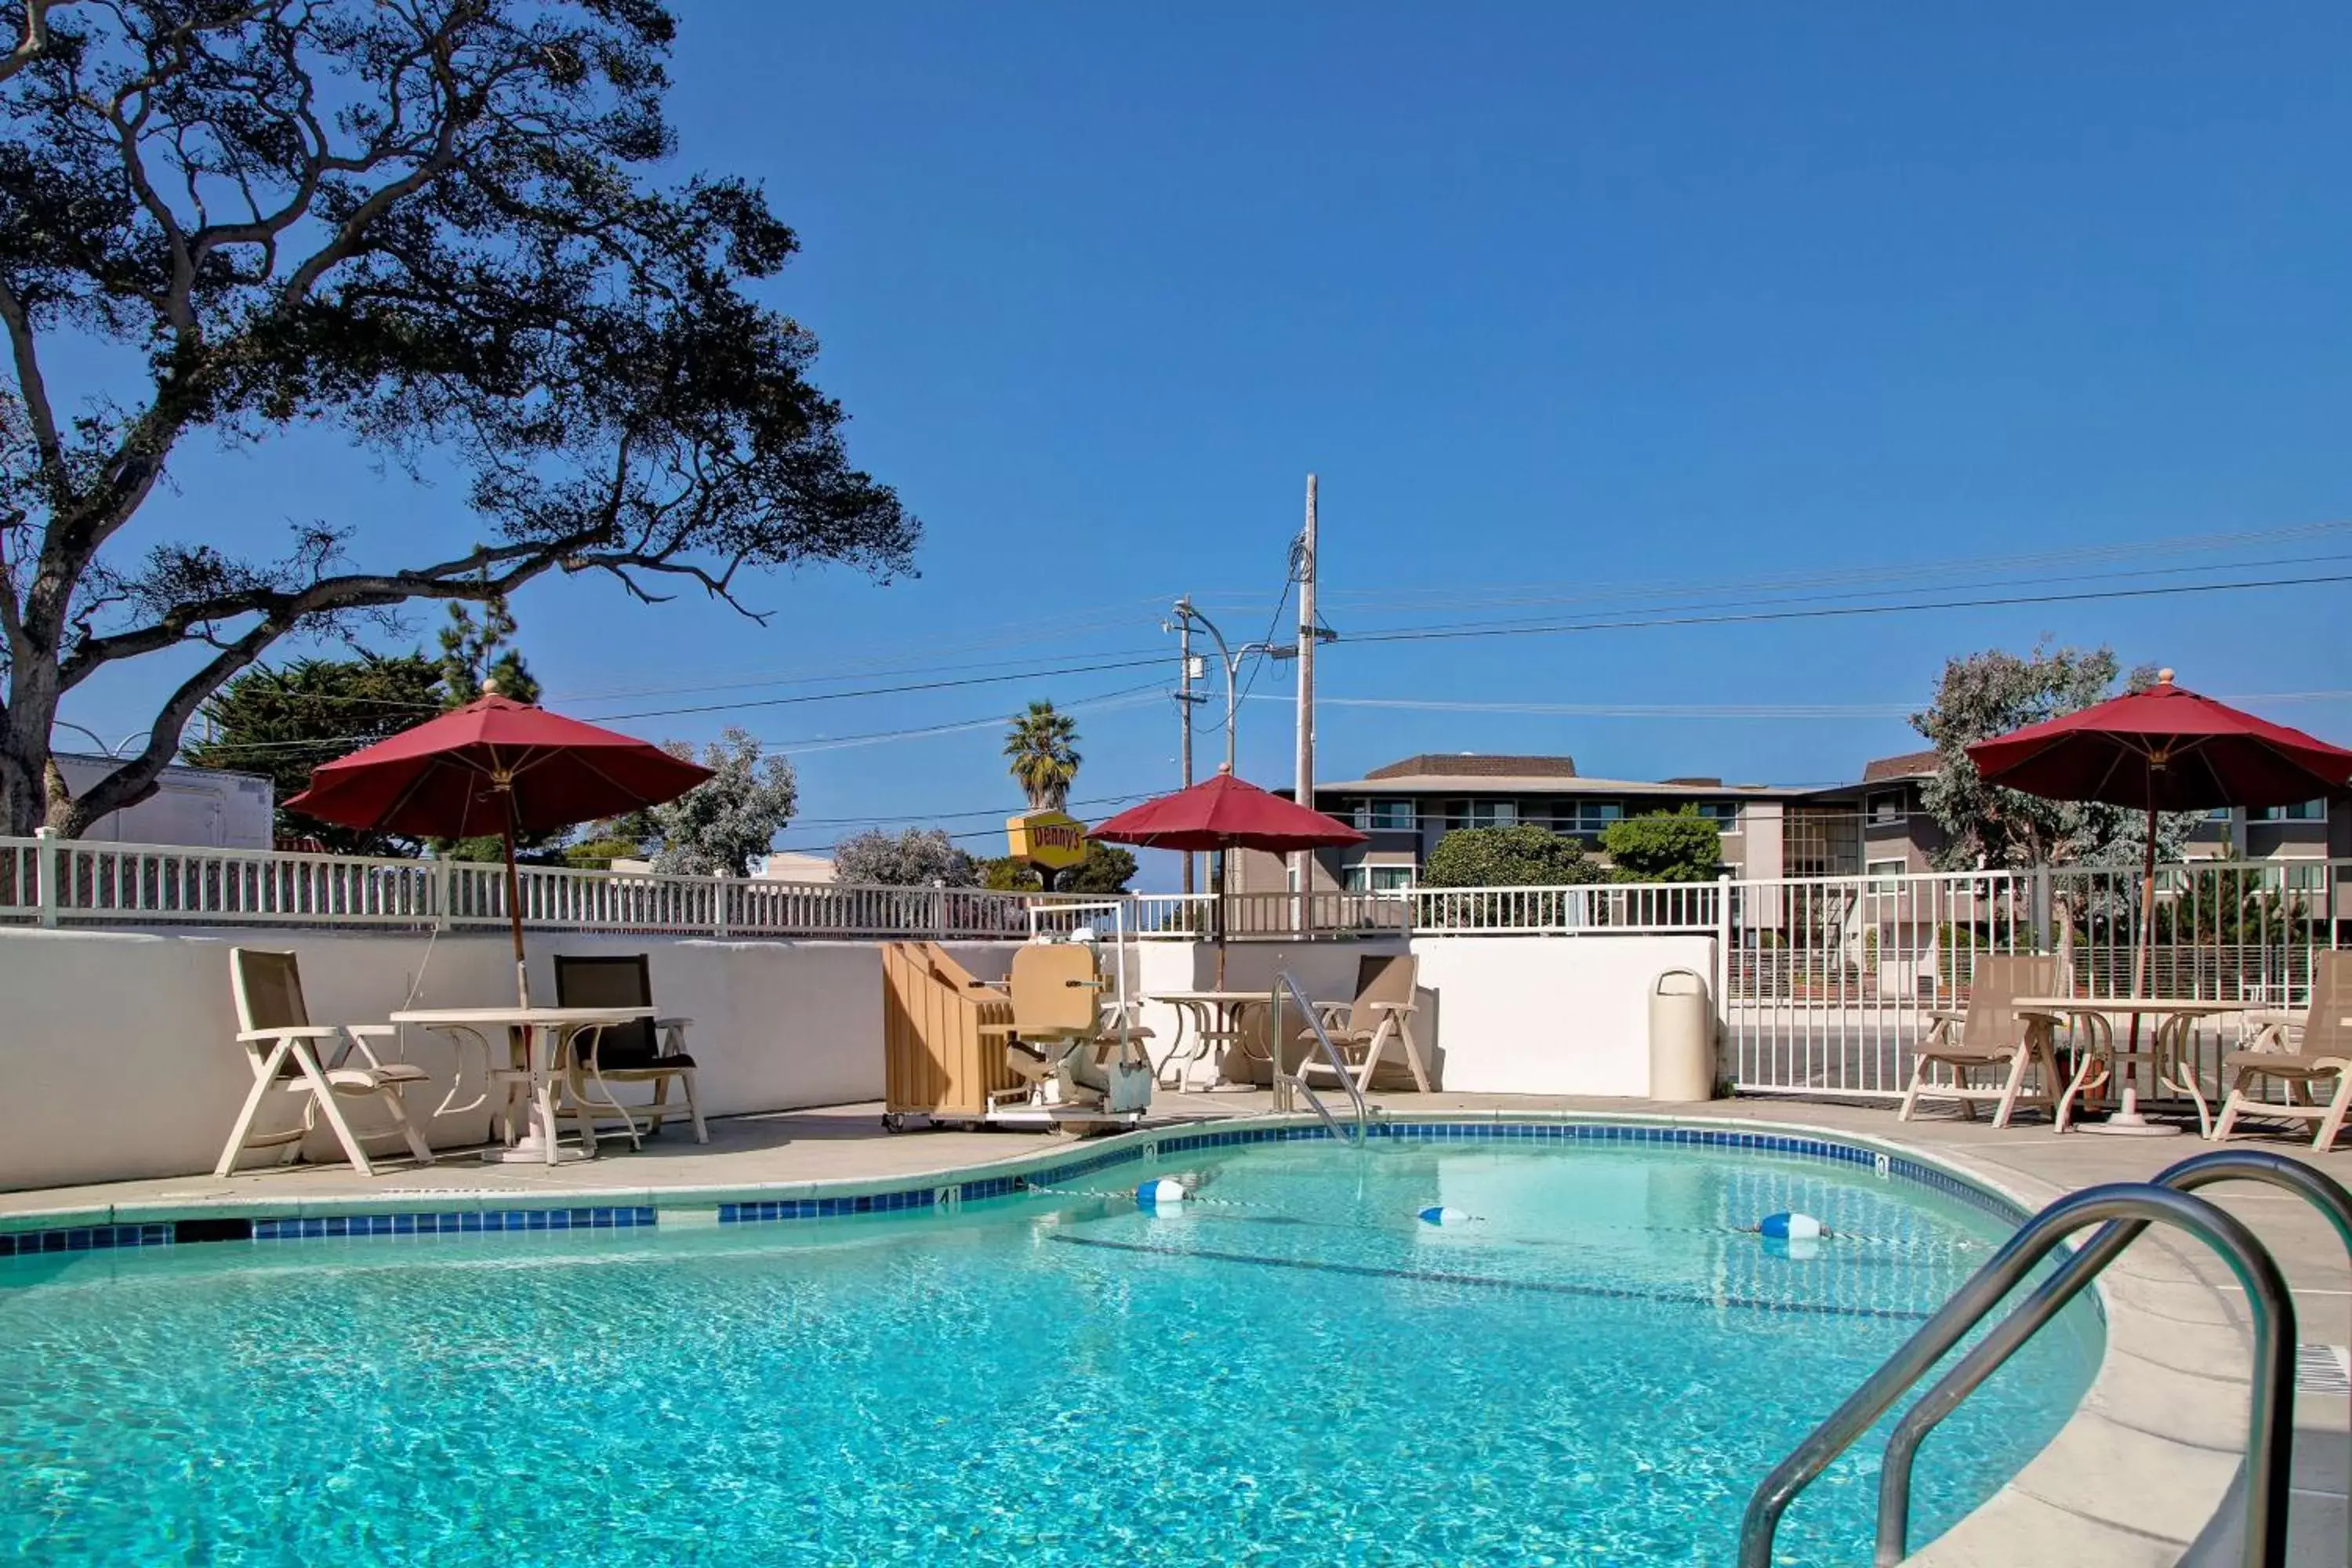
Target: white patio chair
<point>1993,1037</point>
<point>1379,1020</point>
<point>2299,1050</point>
<point>282,1046</point>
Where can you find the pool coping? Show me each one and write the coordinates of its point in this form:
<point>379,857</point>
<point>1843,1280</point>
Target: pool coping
<point>2110,1487</point>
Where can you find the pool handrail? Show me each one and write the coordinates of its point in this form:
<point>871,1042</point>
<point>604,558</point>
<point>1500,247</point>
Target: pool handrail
<point>1989,1354</point>
<point>2270,1421</point>
<point>1285,981</point>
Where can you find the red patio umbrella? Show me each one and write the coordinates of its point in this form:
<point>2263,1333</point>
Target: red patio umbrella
<point>1220,814</point>
<point>2164,749</point>
<point>496,766</point>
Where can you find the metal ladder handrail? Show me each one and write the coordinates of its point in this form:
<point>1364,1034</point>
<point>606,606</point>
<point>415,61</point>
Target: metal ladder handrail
<point>2271,1422</point>
<point>1284,981</point>
<point>2329,1197</point>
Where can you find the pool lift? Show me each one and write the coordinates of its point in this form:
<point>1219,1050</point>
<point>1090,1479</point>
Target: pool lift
<point>1078,1052</point>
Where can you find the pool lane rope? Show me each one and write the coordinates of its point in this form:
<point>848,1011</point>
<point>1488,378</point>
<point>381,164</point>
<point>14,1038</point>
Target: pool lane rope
<point>1169,1195</point>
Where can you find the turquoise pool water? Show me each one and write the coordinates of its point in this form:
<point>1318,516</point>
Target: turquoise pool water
<point>1595,1370</point>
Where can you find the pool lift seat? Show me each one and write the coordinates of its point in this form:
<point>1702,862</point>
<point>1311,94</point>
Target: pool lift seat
<point>1077,1063</point>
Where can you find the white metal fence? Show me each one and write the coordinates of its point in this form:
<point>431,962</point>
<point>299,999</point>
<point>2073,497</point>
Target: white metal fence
<point>58,882</point>
<point>1829,982</point>
<point>1825,984</point>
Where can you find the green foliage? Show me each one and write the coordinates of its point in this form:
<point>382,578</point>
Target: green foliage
<point>1042,746</point>
<point>720,824</point>
<point>1521,857</point>
<point>598,854</point>
<point>1991,693</point>
<point>1664,846</point>
<point>918,857</point>
<point>474,652</point>
<point>284,722</point>
<point>1959,945</point>
<point>1106,869</point>
<point>2230,909</point>
<point>455,233</point>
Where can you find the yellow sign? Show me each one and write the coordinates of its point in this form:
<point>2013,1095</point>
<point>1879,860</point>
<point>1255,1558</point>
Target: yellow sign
<point>1053,839</point>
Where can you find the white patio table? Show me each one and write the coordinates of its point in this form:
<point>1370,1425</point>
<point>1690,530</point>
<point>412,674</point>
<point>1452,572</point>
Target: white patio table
<point>546,1032</point>
<point>1217,1019</point>
<point>2167,1056</point>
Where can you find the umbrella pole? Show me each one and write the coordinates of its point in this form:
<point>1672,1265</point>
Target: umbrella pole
<point>1217,912</point>
<point>2127,1114</point>
<point>514,908</point>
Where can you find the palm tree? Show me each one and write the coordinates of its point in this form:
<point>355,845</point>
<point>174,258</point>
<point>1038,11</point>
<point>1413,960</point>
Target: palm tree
<point>1041,743</point>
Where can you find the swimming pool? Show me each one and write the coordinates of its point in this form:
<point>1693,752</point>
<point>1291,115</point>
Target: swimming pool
<point>1596,1368</point>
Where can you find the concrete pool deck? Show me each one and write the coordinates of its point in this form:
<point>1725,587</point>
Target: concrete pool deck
<point>2131,1479</point>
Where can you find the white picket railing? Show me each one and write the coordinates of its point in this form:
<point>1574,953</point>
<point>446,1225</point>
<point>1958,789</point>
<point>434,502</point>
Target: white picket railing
<point>1824,985</point>
<point>1829,982</point>
<point>1622,909</point>
<point>59,882</point>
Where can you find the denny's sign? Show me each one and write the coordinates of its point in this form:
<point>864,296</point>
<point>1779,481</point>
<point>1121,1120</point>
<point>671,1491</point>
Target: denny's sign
<point>1053,839</point>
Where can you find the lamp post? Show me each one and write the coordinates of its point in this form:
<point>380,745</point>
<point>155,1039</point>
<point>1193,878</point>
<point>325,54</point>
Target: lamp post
<point>114,752</point>
<point>1230,658</point>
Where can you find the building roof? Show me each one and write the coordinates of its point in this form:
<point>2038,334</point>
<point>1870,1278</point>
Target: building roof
<point>1909,765</point>
<point>1474,765</point>
<point>1382,781</point>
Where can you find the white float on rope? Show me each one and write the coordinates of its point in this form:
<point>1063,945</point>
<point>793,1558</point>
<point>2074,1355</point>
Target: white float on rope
<point>1440,1214</point>
<point>1161,1192</point>
<point>1791,1227</point>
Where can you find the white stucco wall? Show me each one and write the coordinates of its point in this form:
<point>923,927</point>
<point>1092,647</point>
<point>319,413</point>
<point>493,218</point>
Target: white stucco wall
<point>1552,1015</point>
<point>116,1046</point>
<point>119,1053</point>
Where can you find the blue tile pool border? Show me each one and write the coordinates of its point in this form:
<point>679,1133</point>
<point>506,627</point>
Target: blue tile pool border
<point>934,1191</point>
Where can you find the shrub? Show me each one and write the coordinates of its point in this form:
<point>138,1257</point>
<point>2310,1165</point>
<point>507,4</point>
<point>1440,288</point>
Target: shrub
<point>1664,846</point>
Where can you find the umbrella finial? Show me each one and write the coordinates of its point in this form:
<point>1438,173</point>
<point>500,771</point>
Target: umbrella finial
<point>2164,678</point>
<point>1226,769</point>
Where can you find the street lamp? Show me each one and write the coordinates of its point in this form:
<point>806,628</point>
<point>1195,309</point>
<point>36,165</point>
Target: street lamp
<point>1230,658</point>
<point>114,752</point>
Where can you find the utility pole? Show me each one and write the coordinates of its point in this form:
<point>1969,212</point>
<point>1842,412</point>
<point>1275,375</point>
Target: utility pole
<point>1302,862</point>
<point>1184,701</point>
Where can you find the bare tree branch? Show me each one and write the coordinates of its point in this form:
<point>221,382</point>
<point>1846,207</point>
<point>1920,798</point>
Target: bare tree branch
<point>33,40</point>
<point>428,223</point>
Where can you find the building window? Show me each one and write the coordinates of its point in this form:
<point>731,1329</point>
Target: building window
<point>2219,814</point>
<point>1724,813</point>
<point>1493,814</point>
<point>2301,811</point>
<point>1586,818</point>
<point>1883,874</point>
<point>1886,807</point>
<point>1363,879</point>
<point>2307,878</point>
<point>1384,816</point>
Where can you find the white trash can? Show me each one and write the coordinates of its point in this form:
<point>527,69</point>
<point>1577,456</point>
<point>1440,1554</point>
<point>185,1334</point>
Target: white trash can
<point>1682,1037</point>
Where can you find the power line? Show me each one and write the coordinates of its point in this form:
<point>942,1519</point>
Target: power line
<point>1124,696</point>
<point>884,690</point>
<point>1525,593</point>
<point>1452,633</point>
<point>1118,696</point>
<point>1680,710</point>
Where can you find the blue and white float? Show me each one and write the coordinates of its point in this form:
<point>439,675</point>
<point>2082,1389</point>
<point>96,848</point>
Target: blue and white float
<point>1441,1215</point>
<point>1161,1192</point>
<point>1791,1227</point>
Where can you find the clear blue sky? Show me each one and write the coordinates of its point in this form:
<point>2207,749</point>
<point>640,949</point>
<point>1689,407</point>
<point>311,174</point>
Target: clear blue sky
<point>1559,300</point>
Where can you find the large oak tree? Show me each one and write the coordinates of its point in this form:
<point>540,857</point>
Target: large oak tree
<point>430,224</point>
